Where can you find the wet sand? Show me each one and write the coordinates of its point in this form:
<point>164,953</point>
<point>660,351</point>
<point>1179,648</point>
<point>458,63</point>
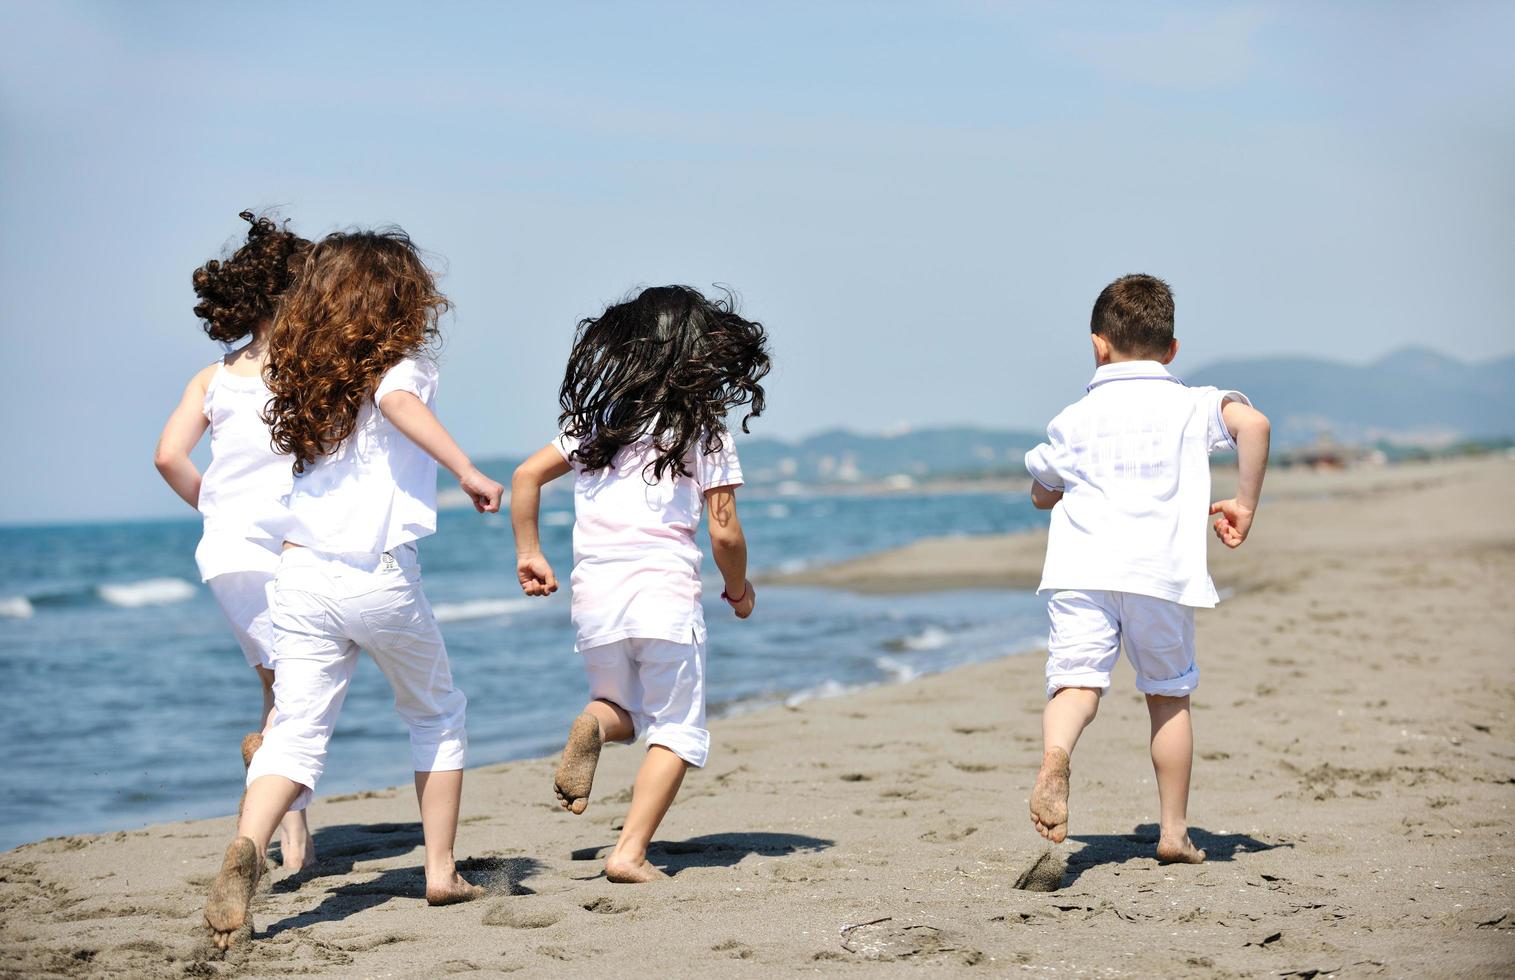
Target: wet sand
<point>1353,788</point>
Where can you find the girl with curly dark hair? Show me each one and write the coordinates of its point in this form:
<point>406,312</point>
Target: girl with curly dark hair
<point>241,492</point>
<point>644,403</point>
<point>352,386</point>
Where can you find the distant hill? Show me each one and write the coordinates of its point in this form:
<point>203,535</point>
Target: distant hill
<point>840,456</point>
<point>1413,395</point>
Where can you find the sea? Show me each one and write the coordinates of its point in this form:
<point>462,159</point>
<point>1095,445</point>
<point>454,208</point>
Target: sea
<point>124,697</point>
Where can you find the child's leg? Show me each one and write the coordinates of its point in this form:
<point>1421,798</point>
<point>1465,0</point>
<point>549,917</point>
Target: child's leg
<point>265,803</point>
<point>1064,719</point>
<point>1082,648</point>
<point>296,846</point>
<point>656,785</point>
<point>672,681</point>
<point>1172,761</point>
<point>613,683</point>
<point>440,795</point>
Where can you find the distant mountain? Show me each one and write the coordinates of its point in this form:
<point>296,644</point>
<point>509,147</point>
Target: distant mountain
<point>839,456</point>
<point>1412,395</point>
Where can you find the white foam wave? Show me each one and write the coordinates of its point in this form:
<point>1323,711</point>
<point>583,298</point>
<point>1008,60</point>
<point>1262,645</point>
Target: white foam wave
<point>452,612</point>
<point>16,607</point>
<point>777,511</point>
<point>148,592</point>
<point>898,671</point>
<point>930,638</point>
<point>557,518</point>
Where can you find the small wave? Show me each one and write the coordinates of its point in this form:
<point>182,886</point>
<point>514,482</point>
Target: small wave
<point>453,612</point>
<point>557,518</point>
<point>148,592</point>
<point>16,607</point>
<point>930,638</point>
<point>899,672</point>
<point>777,511</point>
<point>825,689</point>
<point>792,566</point>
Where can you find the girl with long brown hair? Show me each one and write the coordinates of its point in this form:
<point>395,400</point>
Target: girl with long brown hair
<point>241,492</point>
<point>353,385</point>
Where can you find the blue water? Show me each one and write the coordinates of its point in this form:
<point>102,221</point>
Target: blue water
<point>125,697</point>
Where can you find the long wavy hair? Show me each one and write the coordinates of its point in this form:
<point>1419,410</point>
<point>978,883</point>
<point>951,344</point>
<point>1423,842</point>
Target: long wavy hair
<point>363,302</point>
<point>240,291</point>
<point>667,363</point>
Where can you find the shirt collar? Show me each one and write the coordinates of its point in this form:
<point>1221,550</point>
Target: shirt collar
<point>1131,371</point>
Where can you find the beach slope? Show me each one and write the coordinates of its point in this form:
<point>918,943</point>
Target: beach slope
<point>1353,787</point>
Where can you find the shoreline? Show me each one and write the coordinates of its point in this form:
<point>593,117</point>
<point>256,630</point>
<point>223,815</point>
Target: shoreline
<point>1351,785</point>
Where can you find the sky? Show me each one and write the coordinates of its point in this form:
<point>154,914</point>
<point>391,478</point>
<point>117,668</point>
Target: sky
<point>920,201</point>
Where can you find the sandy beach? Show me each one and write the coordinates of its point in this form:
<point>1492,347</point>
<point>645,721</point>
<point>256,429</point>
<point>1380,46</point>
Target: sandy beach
<point>1353,786</point>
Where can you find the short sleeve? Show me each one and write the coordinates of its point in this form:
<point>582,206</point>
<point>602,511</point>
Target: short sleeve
<point>566,444</point>
<point>417,375</point>
<point>1041,462</point>
<point>1212,401</point>
<point>718,469</point>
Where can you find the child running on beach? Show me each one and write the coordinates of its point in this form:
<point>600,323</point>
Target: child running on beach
<point>352,392</point>
<point>241,494</point>
<point>644,402</point>
<point>1125,471</point>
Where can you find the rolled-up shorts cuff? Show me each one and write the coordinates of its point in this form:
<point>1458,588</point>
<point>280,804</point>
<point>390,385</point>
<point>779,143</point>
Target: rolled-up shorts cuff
<point>685,741</point>
<point>1077,678</point>
<point>1175,687</point>
<point>305,778</point>
<point>444,756</point>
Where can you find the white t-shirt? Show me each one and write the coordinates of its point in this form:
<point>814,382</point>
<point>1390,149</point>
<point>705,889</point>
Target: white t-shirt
<point>1132,460</point>
<point>243,489</point>
<point>636,566</point>
<point>377,490</point>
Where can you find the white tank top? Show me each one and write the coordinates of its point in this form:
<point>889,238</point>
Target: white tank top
<point>242,491</point>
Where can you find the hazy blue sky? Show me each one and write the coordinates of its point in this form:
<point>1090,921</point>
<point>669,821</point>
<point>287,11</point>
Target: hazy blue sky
<point>920,200</point>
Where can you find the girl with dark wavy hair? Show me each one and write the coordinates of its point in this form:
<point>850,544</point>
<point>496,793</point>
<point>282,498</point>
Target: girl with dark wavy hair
<point>353,385</point>
<point>644,403</point>
<point>241,493</point>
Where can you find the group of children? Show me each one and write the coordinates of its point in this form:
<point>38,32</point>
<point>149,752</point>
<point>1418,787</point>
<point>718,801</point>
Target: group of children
<point>325,448</point>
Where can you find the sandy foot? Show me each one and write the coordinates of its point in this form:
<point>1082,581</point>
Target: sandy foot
<point>455,891</point>
<point>251,743</point>
<point>232,891</point>
<point>626,873</point>
<point>1049,799</point>
<point>1172,850</point>
<point>575,773</point>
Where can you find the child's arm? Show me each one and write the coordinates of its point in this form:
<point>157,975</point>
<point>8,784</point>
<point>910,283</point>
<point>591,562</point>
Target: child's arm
<point>411,416</point>
<point>1252,431</point>
<point>185,425</point>
<point>1043,498</point>
<point>544,466</point>
<point>729,546</point>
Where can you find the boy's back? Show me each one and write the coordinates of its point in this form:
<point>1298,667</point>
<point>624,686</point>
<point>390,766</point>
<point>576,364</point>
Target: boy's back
<point>1131,459</point>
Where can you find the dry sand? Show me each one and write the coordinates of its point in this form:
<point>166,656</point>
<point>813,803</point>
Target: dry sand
<point>1353,789</point>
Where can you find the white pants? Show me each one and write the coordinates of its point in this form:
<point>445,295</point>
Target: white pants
<point>244,599</point>
<point>327,607</point>
<point>661,684</point>
<point>1089,629</point>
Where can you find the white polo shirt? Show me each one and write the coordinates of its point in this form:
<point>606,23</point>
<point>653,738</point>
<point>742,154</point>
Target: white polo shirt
<point>1132,461</point>
<point>377,490</point>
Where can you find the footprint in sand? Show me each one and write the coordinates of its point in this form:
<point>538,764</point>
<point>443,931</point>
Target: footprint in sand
<point>511,915</point>
<point>1044,874</point>
<point>605,905</point>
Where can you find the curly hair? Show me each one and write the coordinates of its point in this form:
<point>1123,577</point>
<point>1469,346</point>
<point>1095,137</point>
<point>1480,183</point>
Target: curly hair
<point>667,363</point>
<point>364,301</point>
<point>241,291</point>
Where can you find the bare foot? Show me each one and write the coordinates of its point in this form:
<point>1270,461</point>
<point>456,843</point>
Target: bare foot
<point>251,743</point>
<point>232,891</point>
<point>1178,850</point>
<point>1049,799</point>
<point>296,850</point>
<point>575,773</point>
<point>455,891</point>
<point>631,873</point>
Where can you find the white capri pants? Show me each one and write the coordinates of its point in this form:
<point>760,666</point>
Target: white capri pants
<point>326,608</point>
<point>1089,629</point>
<point>244,600</point>
<point>661,684</point>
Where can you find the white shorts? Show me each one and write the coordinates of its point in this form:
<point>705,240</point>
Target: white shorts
<point>244,599</point>
<point>326,608</point>
<point>1089,629</point>
<point>661,684</point>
